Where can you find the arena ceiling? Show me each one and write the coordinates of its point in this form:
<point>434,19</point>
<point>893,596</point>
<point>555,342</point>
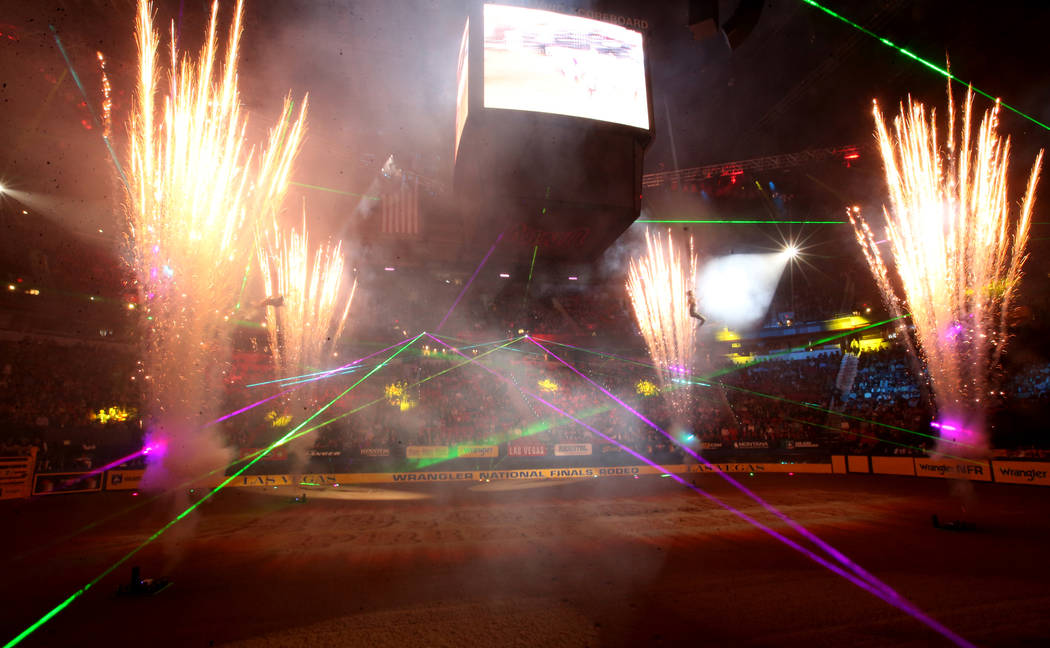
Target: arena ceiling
<point>381,80</point>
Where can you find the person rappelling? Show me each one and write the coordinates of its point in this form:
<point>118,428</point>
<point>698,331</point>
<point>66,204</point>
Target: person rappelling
<point>692,308</point>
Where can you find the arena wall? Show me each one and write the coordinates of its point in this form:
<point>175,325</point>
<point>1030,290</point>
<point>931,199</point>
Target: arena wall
<point>18,480</point>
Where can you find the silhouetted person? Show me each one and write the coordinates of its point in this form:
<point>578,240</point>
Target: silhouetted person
<point>692,308</point>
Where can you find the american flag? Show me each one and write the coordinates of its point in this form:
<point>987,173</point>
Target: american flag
<point>400,208</point>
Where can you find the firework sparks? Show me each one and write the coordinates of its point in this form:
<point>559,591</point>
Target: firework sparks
<point>957,251</point>
<point>196,189</point>
<point>301,329</point>
<point>657,284</point>
<point>107,100</point>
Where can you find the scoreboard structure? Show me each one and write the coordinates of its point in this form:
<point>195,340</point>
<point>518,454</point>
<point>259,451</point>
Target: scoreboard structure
<point>553,116</point>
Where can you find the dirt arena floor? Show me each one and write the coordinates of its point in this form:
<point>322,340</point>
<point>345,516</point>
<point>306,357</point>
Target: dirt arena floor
<point>599,562</point>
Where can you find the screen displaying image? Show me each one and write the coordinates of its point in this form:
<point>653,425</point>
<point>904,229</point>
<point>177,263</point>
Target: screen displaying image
<point>462,96</point>
<point>554,63</point>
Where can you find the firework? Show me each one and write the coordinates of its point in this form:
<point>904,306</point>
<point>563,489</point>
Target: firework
<point>107,100</point>
<point>957,252</point>
<point>313,312</point>
<point>196,190</point>
<point>657,284</point>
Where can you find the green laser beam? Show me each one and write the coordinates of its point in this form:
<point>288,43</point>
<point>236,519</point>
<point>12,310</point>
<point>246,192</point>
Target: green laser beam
<point>415,384</point>
<point>828,411</point>
<point>717,374</point>
<point>896,443</point>
<point>247,457</point>
<point>244,282</point>
<point>61,606</point>
<point>936,68</point>
<point>741,222</point>
<point>544,425</point>
<point>601,409</point>
<point>859,329</point>
<point>335,191</point>
<point>496,438</point>
<point>343,370</point>
<point>727,370</point>
<point>528,283</point>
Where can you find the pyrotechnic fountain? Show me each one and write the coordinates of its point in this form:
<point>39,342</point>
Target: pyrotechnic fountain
<point>304,315</point>
<point>657,283</point>
<point>196,191</point>
<point>956,251</point>
<point>305,312</point>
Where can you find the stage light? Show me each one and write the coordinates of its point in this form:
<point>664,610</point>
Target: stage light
<point>791,251</point>
<point>504,275</point>
<point>736,290</point>
<point>2,189</point>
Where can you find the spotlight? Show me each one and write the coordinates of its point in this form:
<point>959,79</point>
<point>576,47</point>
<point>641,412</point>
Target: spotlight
<point>2,188</point>
<point>791,251</point>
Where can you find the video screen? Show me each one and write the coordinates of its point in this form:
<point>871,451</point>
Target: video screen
<point>462,96</point>
<point>567,65</point>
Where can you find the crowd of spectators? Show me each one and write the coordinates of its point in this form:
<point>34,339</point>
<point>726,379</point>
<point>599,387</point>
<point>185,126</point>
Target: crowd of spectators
<point>51,392</point>
<point>66,399</point>
<point>51,395</point>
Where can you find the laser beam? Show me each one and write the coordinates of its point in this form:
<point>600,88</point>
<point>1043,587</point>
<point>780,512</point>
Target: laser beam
<point>769,507</point>
<point>868,583</point>
<point>932,66</point>
<point>64,604</point>
<point>472,277</point>
<point>87,102</point>
<point>335,191</point>
<point>739,222</point>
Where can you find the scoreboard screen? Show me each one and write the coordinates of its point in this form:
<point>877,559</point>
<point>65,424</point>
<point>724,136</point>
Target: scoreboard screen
<point>548,62</point>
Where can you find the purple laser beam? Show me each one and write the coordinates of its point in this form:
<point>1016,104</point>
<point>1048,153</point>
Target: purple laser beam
<point>893,599</point>
<point>860,571</point>
<point>470,281</point>
<point>245,409</point>
<point>331,371</point>
<point>113,464</point>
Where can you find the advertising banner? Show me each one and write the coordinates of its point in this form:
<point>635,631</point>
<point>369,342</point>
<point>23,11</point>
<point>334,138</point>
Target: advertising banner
<point>518,449</point>
<point>800,445</point>
<point>751,445</point>
<point>572,449</point>
<point>1022,472</point>
<point>77,482</point>
<point>953,469</point>
<point>893,465</point>
<point>761,468</point>
<point>123,479</point>
<point>426,452</point>
<point>279,453</point>
<point>858,463</point>
<point>336,480</point>
<point>710,445</point>
<point>375,452</point>
<point>16,475</point>
<point>477,451</point>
